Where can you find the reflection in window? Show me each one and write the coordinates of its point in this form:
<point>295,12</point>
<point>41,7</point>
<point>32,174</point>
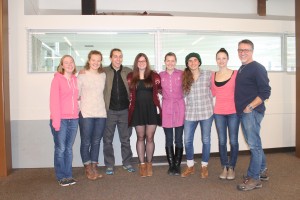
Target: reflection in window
<point>46,48</point>
<point>291,53</point>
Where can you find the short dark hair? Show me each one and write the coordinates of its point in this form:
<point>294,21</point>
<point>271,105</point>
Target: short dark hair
<point>246,41</point>
<point>223,50</point>
<point>113,50</point>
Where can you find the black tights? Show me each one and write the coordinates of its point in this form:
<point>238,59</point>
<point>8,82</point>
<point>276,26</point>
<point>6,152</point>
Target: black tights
<point>145,132</point>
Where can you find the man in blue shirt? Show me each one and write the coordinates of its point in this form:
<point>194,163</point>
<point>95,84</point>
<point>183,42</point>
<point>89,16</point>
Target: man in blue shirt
<point>251,90</point>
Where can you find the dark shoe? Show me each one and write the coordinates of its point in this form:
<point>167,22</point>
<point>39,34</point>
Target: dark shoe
<point>178,157</point>
<point>264,175</point>
<point>129,168</point>
<point>63,182</point>
<point>188,171</point>
<point>249,184</point>
<point>171,159</point>
<point>95,170</point>
<point>72,181</point>
<point>109,171</point>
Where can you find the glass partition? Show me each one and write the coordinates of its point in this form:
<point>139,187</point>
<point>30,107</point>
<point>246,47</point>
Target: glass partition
<point>47,47</point>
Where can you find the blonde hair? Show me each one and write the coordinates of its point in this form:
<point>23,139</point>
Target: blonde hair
<point>60,68</point>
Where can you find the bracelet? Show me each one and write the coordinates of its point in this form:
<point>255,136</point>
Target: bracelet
<point>250,107</point>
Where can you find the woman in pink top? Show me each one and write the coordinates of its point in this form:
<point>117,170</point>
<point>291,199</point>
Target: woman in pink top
<point>172,112</point>
<point>222,87</point>
<point>64,118</point>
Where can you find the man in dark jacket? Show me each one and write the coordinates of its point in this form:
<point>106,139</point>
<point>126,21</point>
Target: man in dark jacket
<point>251,90</point>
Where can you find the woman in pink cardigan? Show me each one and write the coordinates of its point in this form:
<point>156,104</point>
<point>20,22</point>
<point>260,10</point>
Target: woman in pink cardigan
<point>144,109</point>
<point>172,112</point>
<point>64,118</point>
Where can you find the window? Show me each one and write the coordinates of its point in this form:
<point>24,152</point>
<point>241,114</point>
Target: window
<point>291,53</point>
<point>46,48</point>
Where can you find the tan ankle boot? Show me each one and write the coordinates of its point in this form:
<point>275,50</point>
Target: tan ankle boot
<point>95,170</point>
<point>89,172</point>
<point>149,169</point>
<point>188,171</point>
<point>204,172</point>
<point>143,169</point>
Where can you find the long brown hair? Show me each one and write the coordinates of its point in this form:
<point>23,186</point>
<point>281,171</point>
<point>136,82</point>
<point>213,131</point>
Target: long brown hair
<point>187,80</point>
<point>87,64</point>
<point>136,73</point>
<point>60,69</point>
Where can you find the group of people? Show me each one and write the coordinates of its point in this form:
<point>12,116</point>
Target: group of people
<point>117,96</point>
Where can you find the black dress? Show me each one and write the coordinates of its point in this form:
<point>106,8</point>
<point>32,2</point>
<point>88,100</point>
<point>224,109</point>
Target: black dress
<point>145,112</point>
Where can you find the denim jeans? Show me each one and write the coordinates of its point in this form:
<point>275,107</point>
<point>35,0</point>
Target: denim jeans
<point>91,133</point>
<point>231,122</point>
<point>189,131</point>
<point>251,128</point>
<point>63,143</point>
<point>170,135</point>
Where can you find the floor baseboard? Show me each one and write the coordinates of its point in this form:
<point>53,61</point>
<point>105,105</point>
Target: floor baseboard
<point>162,159</point>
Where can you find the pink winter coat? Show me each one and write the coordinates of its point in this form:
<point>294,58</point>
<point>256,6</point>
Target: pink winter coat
<point>173,106</point>
<point>63,99</point>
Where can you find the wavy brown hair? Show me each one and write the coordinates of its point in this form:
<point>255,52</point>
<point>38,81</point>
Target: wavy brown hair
<point>87,64</point>
<point>136,73</point>
<point>187,80</point>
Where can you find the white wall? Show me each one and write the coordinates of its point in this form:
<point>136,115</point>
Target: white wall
<point>274,7</point>
<point>29,93</point>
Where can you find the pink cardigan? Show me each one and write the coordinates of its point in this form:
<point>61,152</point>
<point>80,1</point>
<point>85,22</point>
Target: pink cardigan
<point>63,99</point>
<point>173,106</point>
<point>224,96</point>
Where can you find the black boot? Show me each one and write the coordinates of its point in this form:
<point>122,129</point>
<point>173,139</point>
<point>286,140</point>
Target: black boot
<point>171,160</point>
<point>178,157</point>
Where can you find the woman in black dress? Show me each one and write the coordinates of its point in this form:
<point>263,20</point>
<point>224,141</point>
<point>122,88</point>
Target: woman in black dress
<point>144,109</point>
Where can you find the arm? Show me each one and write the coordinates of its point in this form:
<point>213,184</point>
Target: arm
<point>55,104</point>
<point>264,90</point>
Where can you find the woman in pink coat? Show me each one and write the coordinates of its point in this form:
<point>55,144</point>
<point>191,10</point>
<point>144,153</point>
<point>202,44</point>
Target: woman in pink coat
<point>64,118</point>
<point>172,112</point>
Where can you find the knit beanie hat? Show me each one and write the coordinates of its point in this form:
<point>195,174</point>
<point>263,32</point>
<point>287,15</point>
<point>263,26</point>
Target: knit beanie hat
<point>190,55</point>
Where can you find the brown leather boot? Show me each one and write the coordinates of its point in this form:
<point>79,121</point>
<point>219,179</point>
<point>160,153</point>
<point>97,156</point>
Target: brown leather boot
<point>204,171</point>
<point>143,169</point>
<point>95,170</point>
<point>188,171</point>
<point>149,169</point>
<point>89,172</point>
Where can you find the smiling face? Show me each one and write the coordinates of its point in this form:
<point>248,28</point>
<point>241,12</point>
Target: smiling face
<point>193,63</point>
<point>142,63</point>
<point>170,63</point>
<point>222,59</point>
<point>95,62</point>
<point>68,65</point>
<point>245,52</point>
<point>116,59</point>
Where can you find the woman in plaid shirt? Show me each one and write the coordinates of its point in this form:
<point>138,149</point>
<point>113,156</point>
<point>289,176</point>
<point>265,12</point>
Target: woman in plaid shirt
<point>199,110</point>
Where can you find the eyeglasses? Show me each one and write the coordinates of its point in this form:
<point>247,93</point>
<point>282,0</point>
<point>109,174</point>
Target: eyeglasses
<point>244,50</point>
<point>141,61</point>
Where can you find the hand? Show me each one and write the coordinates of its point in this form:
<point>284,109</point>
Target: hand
<point>82,71</point>
<point>247,110</point>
